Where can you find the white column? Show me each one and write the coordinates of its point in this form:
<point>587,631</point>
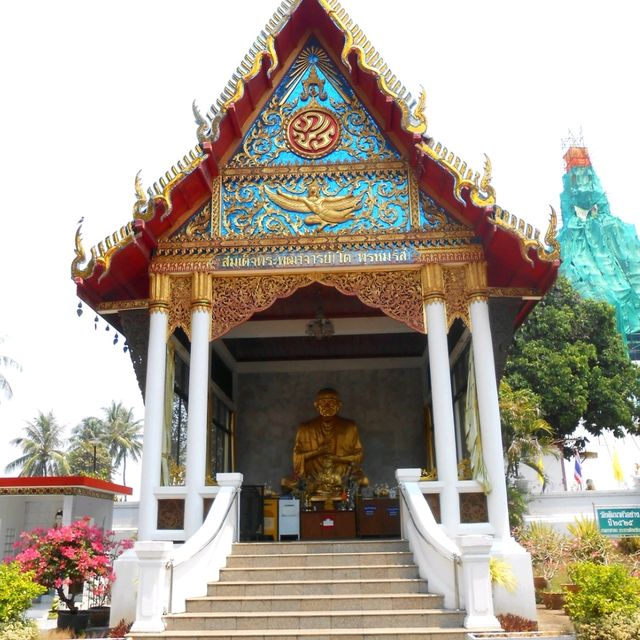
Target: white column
<point>153,422</point>
<point>489,410</point>
<point>443,422</point>
<point>197,419</point>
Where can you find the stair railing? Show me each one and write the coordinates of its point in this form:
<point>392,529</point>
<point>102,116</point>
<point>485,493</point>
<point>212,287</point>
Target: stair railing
<point>215,536</point>
<point>449,555</point>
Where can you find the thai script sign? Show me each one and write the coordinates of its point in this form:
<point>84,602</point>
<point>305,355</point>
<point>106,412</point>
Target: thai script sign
<point>618,522</point>
<point>269,260</point>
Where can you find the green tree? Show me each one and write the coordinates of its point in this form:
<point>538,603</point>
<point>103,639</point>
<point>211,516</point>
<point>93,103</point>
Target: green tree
<point>527,437</point>
<point>42,448</point>
<point>80,459</point>
<point>123,434</point>
<point>570,354</point>
<point>6,363</point>
<point>86,445</point>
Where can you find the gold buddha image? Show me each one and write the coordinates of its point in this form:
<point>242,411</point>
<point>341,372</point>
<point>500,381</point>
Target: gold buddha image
<point>327,452</point>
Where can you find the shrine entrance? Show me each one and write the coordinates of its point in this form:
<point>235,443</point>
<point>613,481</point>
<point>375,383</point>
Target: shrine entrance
<point>317,338</point>
<point>265,374</point>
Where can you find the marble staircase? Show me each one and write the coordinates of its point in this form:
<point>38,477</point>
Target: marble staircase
<point>349,590</point>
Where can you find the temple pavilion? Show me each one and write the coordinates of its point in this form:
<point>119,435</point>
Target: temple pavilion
<point>318,236</point>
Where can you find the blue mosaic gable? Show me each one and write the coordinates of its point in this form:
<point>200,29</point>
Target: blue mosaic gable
<point>313,81</point>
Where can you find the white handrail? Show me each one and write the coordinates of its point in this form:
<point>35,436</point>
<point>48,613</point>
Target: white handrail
<point>196,563</point>
<point>446,559</point>
<point>198,543</point>
<point>439,543</point>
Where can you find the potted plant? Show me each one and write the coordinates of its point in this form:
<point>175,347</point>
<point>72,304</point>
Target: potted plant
<point>553,599</point>
<point>64,558</point>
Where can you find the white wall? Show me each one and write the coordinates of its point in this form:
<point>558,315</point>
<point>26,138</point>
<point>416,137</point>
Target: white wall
<point>562,508</point>
<point>99,509</point>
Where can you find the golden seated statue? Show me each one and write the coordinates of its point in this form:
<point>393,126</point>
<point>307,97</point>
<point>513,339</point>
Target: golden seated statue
<point>327,453</point>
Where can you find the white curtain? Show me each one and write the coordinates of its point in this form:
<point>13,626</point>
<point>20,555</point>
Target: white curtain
<point>472,430</point>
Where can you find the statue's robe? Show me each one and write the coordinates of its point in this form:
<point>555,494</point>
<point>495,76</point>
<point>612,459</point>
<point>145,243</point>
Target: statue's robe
<point>343,440</point>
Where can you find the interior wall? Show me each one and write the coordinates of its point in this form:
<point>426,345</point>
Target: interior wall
<point>386,404</point>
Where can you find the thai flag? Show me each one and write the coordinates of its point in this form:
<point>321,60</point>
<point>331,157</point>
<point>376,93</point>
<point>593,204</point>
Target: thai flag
<point>577,470</point>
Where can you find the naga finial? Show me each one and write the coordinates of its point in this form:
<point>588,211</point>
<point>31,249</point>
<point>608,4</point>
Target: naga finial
<point>200,121</point>
<point>550,238</point>
<point>485,181</point>
<point>80,254</point>
<point>419,110</point>
<point>77,270</point>
<point>482,193</point>
<point>140,205</point>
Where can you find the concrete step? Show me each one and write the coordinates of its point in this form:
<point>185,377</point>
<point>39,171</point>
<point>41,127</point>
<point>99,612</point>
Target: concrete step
<point>348,590</point>
<point>319,546</point>
<point>347,602</point>
<point>320,559</point>
<point>277,620</point>
<point>317,587</point>
<point>336,572</point>
<point>388,633</point>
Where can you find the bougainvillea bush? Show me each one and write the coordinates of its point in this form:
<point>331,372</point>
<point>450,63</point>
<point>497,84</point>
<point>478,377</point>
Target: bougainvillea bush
<point>69,556</point>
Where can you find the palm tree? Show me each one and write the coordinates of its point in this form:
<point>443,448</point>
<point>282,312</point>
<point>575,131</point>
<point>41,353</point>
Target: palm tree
<point>91,428</point>
<point>123,435</point>
<point>6,363</point>
<point>41,447</point>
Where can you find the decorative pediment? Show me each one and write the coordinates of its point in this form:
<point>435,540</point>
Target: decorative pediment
<point>313,117</point>
<point>314,162</point>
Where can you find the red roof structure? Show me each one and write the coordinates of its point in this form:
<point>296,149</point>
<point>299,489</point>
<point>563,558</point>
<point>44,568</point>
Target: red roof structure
<point>117,269</point>
<point>67,485</point>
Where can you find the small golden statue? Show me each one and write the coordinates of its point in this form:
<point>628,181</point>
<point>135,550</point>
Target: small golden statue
<point>327,453</point>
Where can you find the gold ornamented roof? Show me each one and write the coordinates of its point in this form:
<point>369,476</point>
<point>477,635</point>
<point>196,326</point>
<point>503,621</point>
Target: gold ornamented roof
<point>413,122</point>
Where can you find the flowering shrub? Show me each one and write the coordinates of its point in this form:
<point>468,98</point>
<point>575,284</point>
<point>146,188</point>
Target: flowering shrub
<point>546,546</point>
<point>19,630</point>
<point>603,590</point>
<point>69,555</point>
<point>17,590</point>
<point>616,626</point>
<point>588,544</point>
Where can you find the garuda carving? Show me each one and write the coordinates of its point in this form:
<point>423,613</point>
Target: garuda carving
<point>320,210</point>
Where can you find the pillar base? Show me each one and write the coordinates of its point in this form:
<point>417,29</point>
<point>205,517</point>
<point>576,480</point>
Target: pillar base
<point>522,601</point>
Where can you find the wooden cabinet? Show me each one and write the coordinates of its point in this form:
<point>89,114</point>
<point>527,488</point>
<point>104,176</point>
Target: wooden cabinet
<point>328,525</point>
<point>378,516</point>
<point>270,516</point>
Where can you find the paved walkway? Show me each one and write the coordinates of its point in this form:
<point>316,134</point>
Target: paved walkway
<point>554,621</point>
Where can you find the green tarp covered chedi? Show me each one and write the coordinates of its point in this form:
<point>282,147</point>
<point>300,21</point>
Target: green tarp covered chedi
<point>600,252</point>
